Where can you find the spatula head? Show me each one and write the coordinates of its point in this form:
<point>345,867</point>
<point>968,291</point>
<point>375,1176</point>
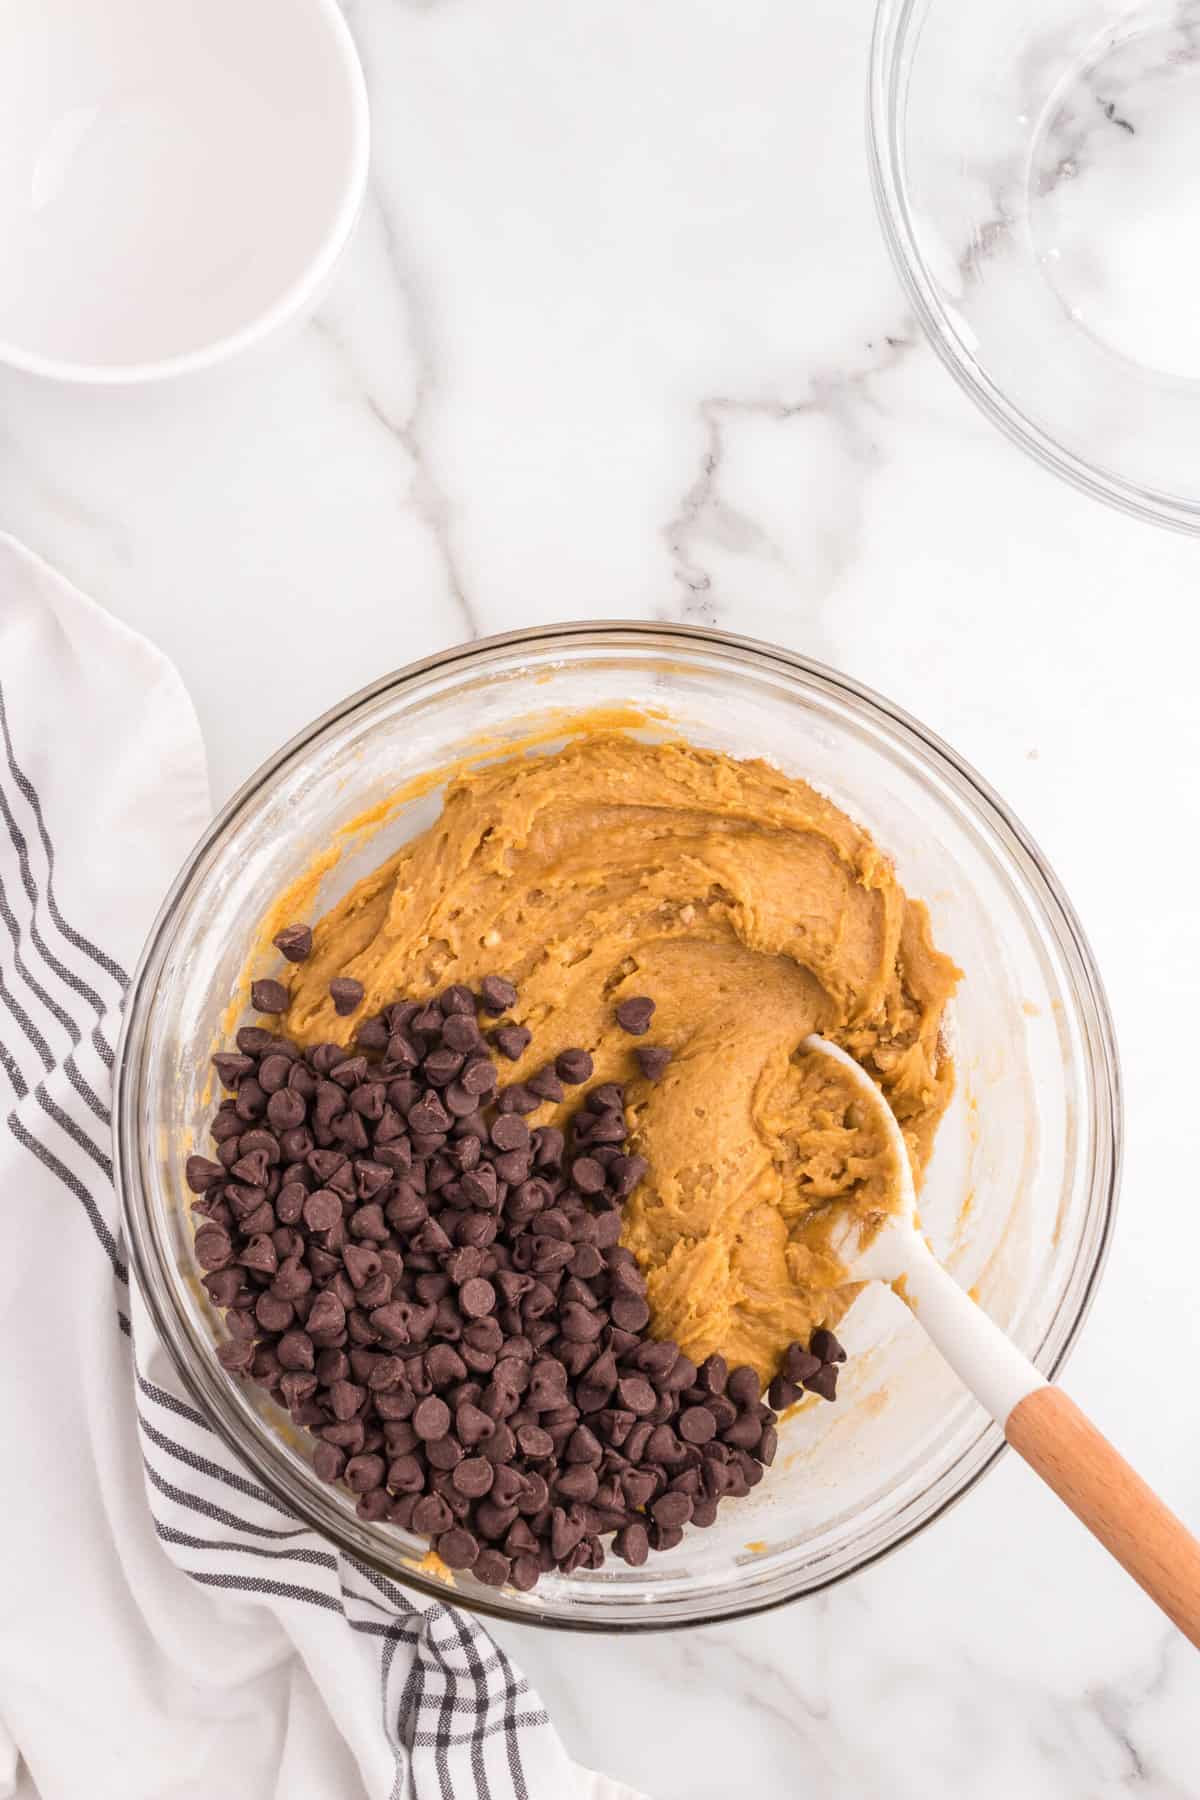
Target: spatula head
<point>875,1247</point>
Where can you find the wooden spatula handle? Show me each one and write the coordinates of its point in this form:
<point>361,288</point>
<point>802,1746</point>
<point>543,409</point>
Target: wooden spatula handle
<point>1101,1489</point>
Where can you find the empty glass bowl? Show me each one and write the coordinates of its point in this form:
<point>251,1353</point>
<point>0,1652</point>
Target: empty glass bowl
<point>1020,1193</point>
<point>1033,164</point>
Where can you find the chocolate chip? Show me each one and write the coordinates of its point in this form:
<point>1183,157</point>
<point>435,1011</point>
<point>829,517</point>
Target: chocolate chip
<point>588,1175</point>
<point>224,1286</point>
<point>524,1573</point>
<point>235,1355</point>
<point>656,1360</point>
<point>634,1015</point>
<point>496,995</point>
<point>286,1110</point>
<point>368,1100</point>
<point>546,1085</point>
<point>512,1041</point>
<point>457,1548</point>
<point>431,1516</point>
<point>431,1419</point>
<point>636,1395</point>
<point>581,1326</point>
<point>441,1066</point>
<point>608,1097</point>
<point>697,1425</point>
<point>294,942</point>
<point>671,1510</point>
<point>361,1263</point>
<point>632,1544</point>
<point>444,1365</point>
<point>652,1060</point>
<point>548,1145</point>
<point>743,1386</point>
<point>826,1346</point>
<point>517,1099</point>
<point>576,1558</point>
<point>295,1350</point>
<point>783,1393</point>
<point>322,1210</point>
<point>329,1462</point>
<point>824,1382</point>
<point>584,1446</point>
<point>577,1482</point>
<point>427,1019</point>
<point>364,1473</point>
<point>565,1532</point>
<point>405,1474</point>
<point>369,1222</point>
<point>327,1315</point>
<point>274,1070</point>
<point>610,1128</point>
<point>230,1069</point>
<point>573,1066</point>
<point>473,1477</point>
<point>477,1298</point>
<point>345,1399</point>
<point>268,996</point>
<point>429,1117</point>
<point>458,1000</point>
<point>630,1313</point>
<point>798,1364</point>
<point>200,1172</point>
<point>273,1313</point>
<point>533,1441</point>
<point>260,1255</point>
<point>509,1132</point>
<point>226,1127</point>
<point>478,1077</point>
<point>372,1034</point>
<point>460,1032</point>
<point>491,1567</point>
<point>745,1431</point>
<point>213,1247</point>
<point>493,1520</point>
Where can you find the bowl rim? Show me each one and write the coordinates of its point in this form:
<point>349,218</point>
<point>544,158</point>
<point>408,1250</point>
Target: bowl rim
<point>300,294</point>
<point>888,35</point>
<point>931,750</point>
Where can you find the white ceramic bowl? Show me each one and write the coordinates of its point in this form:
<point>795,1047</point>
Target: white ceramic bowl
<point>176,179</point>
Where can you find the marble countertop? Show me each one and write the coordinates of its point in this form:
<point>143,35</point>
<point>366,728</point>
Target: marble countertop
<point>618,337</point>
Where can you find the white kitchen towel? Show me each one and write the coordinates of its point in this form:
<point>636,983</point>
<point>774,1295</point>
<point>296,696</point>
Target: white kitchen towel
<point>168,1632</point>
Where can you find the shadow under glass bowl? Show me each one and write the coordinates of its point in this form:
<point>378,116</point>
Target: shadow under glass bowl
<point>1019,1197</point>
<point>1032,170</point>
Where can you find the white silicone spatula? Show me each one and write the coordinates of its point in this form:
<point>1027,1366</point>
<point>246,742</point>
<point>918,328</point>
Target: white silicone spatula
<point>1057,1441</point>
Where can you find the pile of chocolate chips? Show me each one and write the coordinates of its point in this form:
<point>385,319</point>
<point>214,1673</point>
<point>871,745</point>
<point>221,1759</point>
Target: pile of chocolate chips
<point>438,1294</point>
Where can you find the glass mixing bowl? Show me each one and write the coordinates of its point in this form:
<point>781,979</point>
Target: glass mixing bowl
<point>1033,167</point>
<point>1019,1197</point>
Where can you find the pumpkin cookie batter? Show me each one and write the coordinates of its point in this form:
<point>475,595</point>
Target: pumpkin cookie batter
<point>753,912</point>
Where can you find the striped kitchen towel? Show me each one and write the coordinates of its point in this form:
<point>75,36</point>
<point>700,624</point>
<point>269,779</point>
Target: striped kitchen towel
<point>168,1632</point>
